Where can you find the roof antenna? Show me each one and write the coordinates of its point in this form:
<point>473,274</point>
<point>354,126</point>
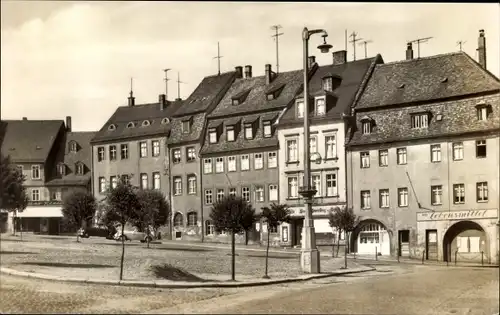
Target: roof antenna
<point>365,42</point>
<point>345,37</point>
<point>353,41</point>
<point>179,86</point>
<point>276,38</point>
<point>460,43</point>
<point>131,87</point>
<point>166,82</point>
<point>418,41</point>
<point>218,58</point>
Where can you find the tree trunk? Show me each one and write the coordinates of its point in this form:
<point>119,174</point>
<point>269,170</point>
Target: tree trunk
<point>333,245</point>
<point>233,255</point>
<point>267,253</point>
<point>345,256</point>
<point>246,237</point>
<point>123,252</point>
<point>147,235</point>
<point>338,242</point>
<point>14,224</point>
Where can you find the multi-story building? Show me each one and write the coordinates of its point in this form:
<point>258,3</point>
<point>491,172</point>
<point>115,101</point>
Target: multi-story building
<point>132,146</point>
<point>55,162</point>
<point>423,159</point>
<point>240,149</point>
<point>333,90</point>
<point>184,143</point>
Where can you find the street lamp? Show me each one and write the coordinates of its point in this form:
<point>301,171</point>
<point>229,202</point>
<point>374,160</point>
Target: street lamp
<point>309,258</point>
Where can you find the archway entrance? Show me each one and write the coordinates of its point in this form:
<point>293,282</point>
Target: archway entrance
<point>465,240</point>
<point>370,237</point>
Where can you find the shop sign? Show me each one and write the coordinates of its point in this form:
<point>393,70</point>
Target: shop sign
<point>315,211</point>
<point>457,215</point>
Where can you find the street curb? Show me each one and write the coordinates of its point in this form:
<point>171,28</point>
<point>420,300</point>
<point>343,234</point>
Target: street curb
<point>161,284</point>
<point>417,262</point>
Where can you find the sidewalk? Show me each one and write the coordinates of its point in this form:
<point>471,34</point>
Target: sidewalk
<point>418,261</point>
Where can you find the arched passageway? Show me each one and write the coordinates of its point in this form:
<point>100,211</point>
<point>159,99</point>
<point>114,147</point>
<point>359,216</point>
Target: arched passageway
<point>370,237</point>
<point>466,240</point>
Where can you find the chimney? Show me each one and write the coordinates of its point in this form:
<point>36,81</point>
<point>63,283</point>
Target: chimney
<point>481,49</point>
<point>311,61</point>
<point>25,118</point>
<point>270,75</point>
<point>131,100</point>
<point>248,71</point>
<point>409,51</point>
<point>162,100</point>
<point>68,123</point>
<point>339,57</point>
<point>178,99</point>
<point>239,72</point>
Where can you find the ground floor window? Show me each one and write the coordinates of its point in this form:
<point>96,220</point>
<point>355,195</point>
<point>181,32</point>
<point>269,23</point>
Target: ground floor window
<point>368,237</point>
<point>209,228</point>
<point>468,244</point>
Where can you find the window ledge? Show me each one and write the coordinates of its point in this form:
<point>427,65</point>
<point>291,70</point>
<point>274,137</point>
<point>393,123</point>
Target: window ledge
<point>480,157</point>
<point>482,201</point>
<point>383,165</point>
<point>435,161</point>
<point>402,164</point>
<point>292,162</point>
<point>292,198</point>
<point>331,159</point>
<point>190,161</point>
<point>436,204</point>
<point>365,209</point>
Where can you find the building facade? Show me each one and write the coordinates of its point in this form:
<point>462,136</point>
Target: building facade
<point>333,90</point>
<point>423,160</point>
<point>55,162</point>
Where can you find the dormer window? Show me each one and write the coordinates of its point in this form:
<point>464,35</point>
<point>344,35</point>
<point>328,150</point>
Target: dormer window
<point>248,131</point>
<point>165,121</point>
<point>267,129</point>
<point>240,97</point>
<point>73,146</point>
<point>79,167</point>
<point>61,169</point>
<point>320,106</point>
<point>230,133</point>
<point>131,124</point>
<point>274,93</point>
<point>482,111</point>
<point>300,109</point>
<point>212,135</point>
<point>420,120</point>
<point>236,102</point>
<point>112,127</point>
<point>186,125</point>
<point>146,123</point>
<point>328,84</point>
<point>366,125</point>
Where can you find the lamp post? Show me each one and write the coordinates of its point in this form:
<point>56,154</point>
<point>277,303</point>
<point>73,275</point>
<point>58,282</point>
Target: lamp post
<point>309,258</point>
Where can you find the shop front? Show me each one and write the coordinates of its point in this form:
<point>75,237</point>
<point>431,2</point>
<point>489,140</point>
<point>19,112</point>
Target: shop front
<point>38,219</point>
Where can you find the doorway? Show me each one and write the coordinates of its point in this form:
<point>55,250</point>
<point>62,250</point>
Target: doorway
<point>431,246</point>
<point>465,240</point>
<point>298,225</point>
<point>404,243</point>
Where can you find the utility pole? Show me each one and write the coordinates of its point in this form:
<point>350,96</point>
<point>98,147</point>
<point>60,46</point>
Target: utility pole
<point>460,43</point>
<point>166,83</point>
<point>179,86</point>
<point>418,41</point>
<point>276,38</point>
<point>353,41</point>
<point>365,42</point>
<point>218,58</point>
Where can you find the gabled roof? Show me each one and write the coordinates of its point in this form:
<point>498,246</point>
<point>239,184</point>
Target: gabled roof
<point>30,140</point>
<point>256,99</point>
<point>426,79</point>
<point>137,114</point>
<point>70,159</point>
<point>197,123</point>
<point>353,76</point>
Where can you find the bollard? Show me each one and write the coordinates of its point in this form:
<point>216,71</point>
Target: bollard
<point>376,253</point>
<point>354,255</point>
<point>423,255</point>
<point>397,254</point>
<point>456,253</point>
<point>482,258</point>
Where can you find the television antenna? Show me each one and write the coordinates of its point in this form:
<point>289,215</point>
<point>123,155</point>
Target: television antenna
<point>276,39</point>
<point>353,41</point>
<point>179,86</point>
<point>218,58</point>
<point>460,43</point>
<point>418,41</point>
<point>166,82</point>
<point>364,43</point>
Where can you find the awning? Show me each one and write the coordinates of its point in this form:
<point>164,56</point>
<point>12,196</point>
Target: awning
<point>41,212</point>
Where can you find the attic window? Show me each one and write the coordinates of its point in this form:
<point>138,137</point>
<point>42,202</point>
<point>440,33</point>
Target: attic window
<point>320,106</point>
<point>192,101</point>
<point>112,127</point>
<point>366,125</point>
<point>328,84</point>
<point>300,109</point>
<point>439,117</point>
<point>240,97</point>
<point>267,129</point>
<point>61,169</point>
<point>146,123</point>
<point>482,110</point>
<point>212,135</point>
<point>419,120</point>
<point>186,124</point>
<point>38,147</point>
<point>230,133</point>
<point>130,125</point>
<point>248,131</point>
<point>73,146</point>
<point>401,86</point>
<point>274,93</point>
<point>165,121</point>
<point>444,80</point>
<point>79,168</point>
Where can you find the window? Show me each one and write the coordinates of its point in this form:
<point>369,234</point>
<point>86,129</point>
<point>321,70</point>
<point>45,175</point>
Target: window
<point>185,126</point>
<point>293,187</point>
<point>436,153</point>
<point>191,184</point>
<point>212,136</point>
<point>178,220</point>
<point>291,153</point>
<point>209,227</point>
<point>191,154</point>
<point>384,198</point>
<point>482,113</point>
<point>436,195</point>
<point>272,229</point>
<point>156,147</point>
<point>259,194</point>
<point>56,195</point>
<point>482,192</point>
<point>100,154</point>
<point>258,161</point>
<point>144,181</point>
<point>220,194</point>
<point>365,159</point>
<point>61,169</point>
<point>245,193</point>
<point>231,163</point>
<point>403,197</point>
<point>143,149</point>
<point>124,151</point>
<point>207,166</point>
<point>177,186</point>
<point>176,156</point>
<point>113,180</point>
<point>328,84</point>
<point>146,123</point>
<point>365,199</point>
<point>300,109</point>
<point>192,219</point>
<point>320,107</point>
<point>230,133</point>
<point>366,127</point>
<point>35,172</point>
<point>73,147</point>
<point>219,165</point>
<point>331,151</point>
<point>316,182</point>
<point>401,153</point>
<point>35,195</point>
<point>102,184</point>
<point>458,193</point>
<point>313,145</point>
<point>80,168</point>
<point>383,157</point>
<point>112,152</point>
<point>458,151</point>
<point>20,168</point>
<point>248,132</point>
<point>273,192</point>
<point>208,196</point>
<point>267,129</point>
<point>232,192</point>
<point>272,160</point>
<point>481,148</point>
<point>245,162</point>
<point>156,180</point>
<point>331,185</point>
<point>420,120</point>
<point>125,179</point>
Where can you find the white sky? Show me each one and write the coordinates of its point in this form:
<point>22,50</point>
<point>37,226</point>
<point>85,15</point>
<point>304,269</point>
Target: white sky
<point>76,58</point>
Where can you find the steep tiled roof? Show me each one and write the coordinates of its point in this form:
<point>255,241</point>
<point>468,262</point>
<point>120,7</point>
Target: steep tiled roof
<point>256,100</point>
<point>30,140</point>
<point>82,155</point>
<point>240,143</point>
<point>205,94</point>
<point>352,75</point>
<point>137,114</point>
<point>196,129</point>
<point>424,79</point>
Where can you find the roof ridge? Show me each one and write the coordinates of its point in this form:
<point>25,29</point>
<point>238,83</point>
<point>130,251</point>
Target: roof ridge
<point>218,75</point>
<point>475,63</point>
<point>422,58</point>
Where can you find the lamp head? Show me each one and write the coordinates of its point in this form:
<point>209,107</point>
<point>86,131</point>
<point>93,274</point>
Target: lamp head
<point>324,48</point>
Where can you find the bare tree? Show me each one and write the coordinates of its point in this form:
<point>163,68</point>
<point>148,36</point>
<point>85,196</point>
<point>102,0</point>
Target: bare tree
<point>343,220</point>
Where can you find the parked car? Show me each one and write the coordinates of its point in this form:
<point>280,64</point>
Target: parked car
<point>82,233</point>
<point>135,235</point>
